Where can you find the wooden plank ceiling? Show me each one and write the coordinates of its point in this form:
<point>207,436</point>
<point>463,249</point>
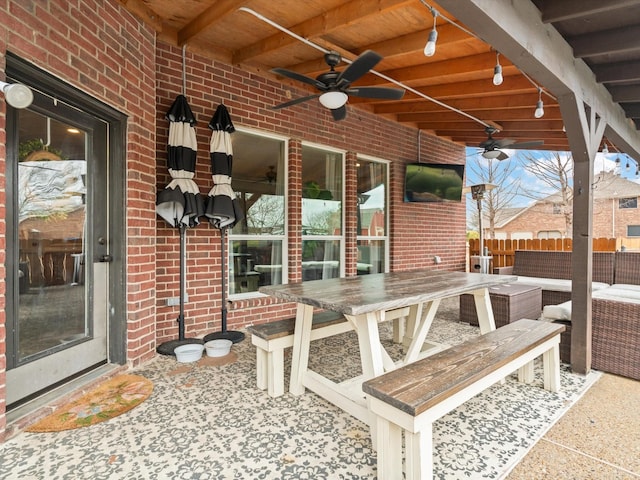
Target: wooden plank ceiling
<point>605,35</point>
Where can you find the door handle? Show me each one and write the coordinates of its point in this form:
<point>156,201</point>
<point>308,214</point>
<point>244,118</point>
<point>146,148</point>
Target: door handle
<point>105,258</point>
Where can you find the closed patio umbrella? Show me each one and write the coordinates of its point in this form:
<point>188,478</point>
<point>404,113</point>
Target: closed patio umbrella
<point>222,206</point>
<point>180,203</point>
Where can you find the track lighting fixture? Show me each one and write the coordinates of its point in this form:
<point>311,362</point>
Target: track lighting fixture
<point>539,113</point>
<point>16,94</point>
<point>497,71</point>
<point>430,47</point>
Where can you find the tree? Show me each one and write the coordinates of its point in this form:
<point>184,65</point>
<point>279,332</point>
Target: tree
<point>501,174</point>
<point>554,172</point>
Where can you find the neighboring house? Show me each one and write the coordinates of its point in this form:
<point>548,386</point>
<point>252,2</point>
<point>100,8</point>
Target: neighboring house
<point>615,213</point>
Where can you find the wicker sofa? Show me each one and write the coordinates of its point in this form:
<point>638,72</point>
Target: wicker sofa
<point>551,271</point>
<point>615,320</point>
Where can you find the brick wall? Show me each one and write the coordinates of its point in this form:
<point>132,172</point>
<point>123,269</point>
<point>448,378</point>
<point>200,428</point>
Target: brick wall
<point>609,221</point>
<point>417,231</point>
<point>98,47</point>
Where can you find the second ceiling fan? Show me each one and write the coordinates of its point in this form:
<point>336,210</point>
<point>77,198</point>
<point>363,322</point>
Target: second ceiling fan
<point>491,146</point>
<point>335,87</point>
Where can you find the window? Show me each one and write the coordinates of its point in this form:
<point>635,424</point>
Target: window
<point>631,202</point>
<point>372,216</point>
<point>322,230</point>
<point>557,208</point>
<point>633,230</point>
<point>548,234</point>
<point>256,244</point>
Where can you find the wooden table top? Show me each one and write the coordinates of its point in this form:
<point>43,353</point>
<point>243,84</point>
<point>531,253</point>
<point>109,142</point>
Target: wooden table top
<point>383,291</point>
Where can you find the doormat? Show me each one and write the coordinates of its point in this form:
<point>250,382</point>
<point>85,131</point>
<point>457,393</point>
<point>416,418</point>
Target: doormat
<point>108,400</point>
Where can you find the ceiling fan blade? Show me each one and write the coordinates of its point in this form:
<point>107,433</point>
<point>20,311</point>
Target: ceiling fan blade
<point>359,67</point>
<point>525,145</point>
<point>504,142</point>
<point>376,92</point>
<point>502,156</point>
<point>299,77</point>
<point>339,113</point>
<point>295,101</point>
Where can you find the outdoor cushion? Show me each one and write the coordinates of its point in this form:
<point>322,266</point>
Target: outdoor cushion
<point>618,294</point>
<point>556,284</point>
<point>557,312</point>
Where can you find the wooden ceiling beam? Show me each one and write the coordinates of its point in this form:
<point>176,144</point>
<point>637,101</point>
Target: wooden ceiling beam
<point>484,115</point>
<point>414,42</point>
<point>140,10</point>
<point>343,15</point>
<point>543,54</point>
<point>465,104</point>
<point>622,39</point>
<point>216,13</point>
<point>518,134</point>
<point>617,72</point>
<point>556,11</point>
<point>625,93</point>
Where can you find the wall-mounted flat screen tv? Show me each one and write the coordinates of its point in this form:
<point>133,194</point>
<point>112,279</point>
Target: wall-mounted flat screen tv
<point>433,182</point>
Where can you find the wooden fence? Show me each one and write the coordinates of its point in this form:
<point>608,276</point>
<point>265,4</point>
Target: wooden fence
<point>503,251</point>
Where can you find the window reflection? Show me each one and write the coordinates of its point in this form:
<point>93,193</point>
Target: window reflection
<point>322,173</point>
<point>256,243</point>
<point>372,216</point>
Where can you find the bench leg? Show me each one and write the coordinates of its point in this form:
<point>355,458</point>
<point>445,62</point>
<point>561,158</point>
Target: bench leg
<point>275,373</point>
<point>389,446</point>
<point>301,344</point>
<point>261,369</point>
<point>525,373</point>
<point>551,368</point>
<point>419,454</point>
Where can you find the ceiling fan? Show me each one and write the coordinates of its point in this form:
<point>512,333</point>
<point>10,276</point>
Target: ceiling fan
<point>491,146</point>
<point>335,87</point>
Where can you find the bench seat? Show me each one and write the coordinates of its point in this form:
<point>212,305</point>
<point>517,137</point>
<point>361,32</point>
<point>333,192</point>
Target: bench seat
<point>412,397</point>
<point>271,338</point>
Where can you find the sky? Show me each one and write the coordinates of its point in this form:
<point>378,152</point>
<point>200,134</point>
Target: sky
<point>603,161</point>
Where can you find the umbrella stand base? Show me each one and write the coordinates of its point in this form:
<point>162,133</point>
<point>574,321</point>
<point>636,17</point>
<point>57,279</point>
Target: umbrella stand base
<point>235,337</point>
<point>167,348</point>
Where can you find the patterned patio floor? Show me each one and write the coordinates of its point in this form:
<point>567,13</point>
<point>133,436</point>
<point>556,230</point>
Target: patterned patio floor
<point>211,422</point>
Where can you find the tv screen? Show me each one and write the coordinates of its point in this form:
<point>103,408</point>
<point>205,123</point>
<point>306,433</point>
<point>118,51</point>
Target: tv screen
<point>431,182</point>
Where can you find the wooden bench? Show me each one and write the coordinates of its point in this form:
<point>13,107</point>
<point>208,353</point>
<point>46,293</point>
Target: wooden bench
<point>412,397</point>
<point>270,340</point>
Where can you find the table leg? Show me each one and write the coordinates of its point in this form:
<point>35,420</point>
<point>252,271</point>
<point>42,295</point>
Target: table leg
<point>421,331</point>
<point>301,344</point>
<point>414,316</point>
<point>369,343</point>
<point>485,312</point>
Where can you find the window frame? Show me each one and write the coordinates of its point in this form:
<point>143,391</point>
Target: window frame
<point>342,237</point>
<point>387,203</point>
<point>284,238</point>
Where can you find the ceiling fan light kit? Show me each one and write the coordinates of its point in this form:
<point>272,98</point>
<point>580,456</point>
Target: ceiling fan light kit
<point>335,87</point>
<point>333,100</point>
<point>491,154</point>
<point>491,146</point>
